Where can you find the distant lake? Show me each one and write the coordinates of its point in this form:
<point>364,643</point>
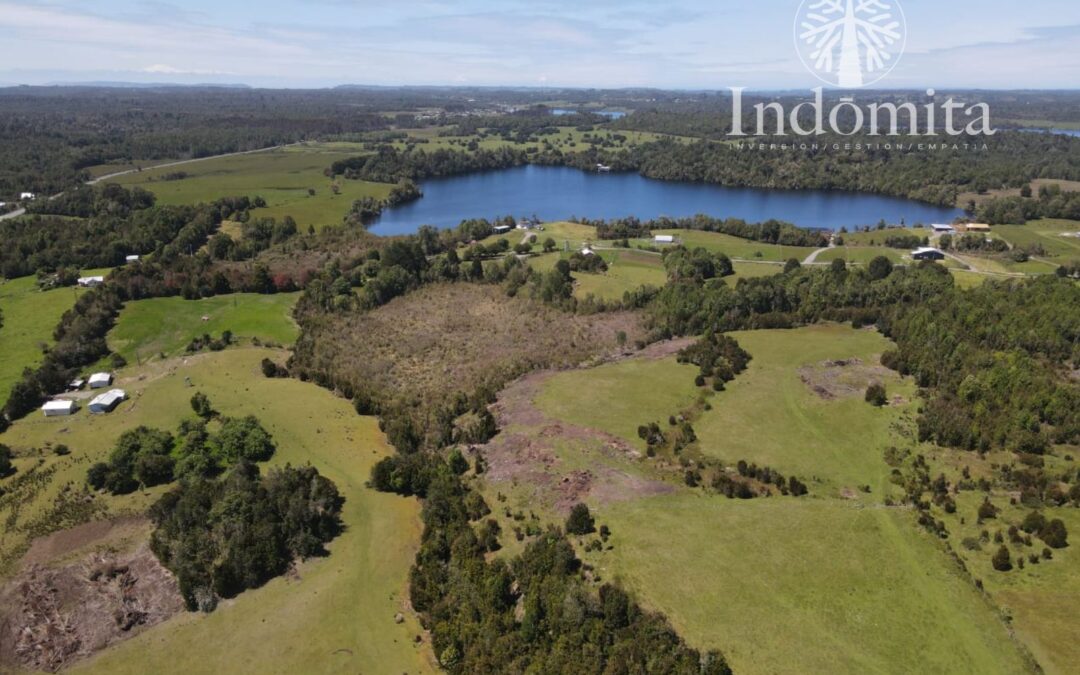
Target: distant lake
<point>612,114</point>
<point>557,193</point>
<point>1060,132</point>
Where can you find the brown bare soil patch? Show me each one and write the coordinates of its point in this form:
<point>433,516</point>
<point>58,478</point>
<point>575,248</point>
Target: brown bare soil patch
<point>527,450</point>
<point>53,616</point>
<point>842,378</point>
<point>449,338</point>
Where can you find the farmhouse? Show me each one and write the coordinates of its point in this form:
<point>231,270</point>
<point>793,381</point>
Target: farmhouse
<point>100,380</point>
<point>108,401</point>
<point>926,253</point>
<point>664,239</point>
<point>91,282</point>
<point>58,408</point>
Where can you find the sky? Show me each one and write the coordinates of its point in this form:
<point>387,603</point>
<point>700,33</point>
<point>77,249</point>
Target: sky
<point>670,44</point>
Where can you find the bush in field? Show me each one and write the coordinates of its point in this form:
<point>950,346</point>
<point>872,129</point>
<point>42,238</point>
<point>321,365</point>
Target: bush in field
<point>5,461</point>
<point>580,520</point>
<point>875,395</point>
<point>1054,534</point>
<point>1002,560</point>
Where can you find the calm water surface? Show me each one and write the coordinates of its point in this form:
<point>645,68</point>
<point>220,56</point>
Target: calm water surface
<point>555,193</point>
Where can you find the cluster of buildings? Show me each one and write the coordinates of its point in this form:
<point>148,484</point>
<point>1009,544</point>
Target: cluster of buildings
<point>104,402</point>
<point>960,228</point>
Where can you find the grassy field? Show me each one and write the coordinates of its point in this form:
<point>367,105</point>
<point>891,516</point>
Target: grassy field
<point>861,255</point>
<point>147,328</point>
<point>734,247</point>
<point>877,237</point>
<point>30,316</point>
<point>627,271</point>
<point>1047,233</point>
<point>345,603</point>
<point>751,270</point>
<point>282,177</point>
<point>832,582</point>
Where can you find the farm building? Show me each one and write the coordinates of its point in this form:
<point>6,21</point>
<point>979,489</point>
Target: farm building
<point>974,227</point>
<point>76,385</point>
<point>100,380</point>
<point>943,229</point>
<point>90,282</point>
<point>131,259</point>
<point>58,408</point>
<point>107,402</point>
<point>501,229</point>
<point>664,239</point>
<point>926,253</point>
<point>585,250</point>
<point>27,196</point>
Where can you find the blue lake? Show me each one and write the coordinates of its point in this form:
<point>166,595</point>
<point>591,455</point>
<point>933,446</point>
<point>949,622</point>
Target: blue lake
<point>610,114</point>
<point>556,193</point>
<point>1060,132</point>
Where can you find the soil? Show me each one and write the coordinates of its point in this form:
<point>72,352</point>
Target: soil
<point>842,378</point>
<point>523,453</point>
<point>56,610</point>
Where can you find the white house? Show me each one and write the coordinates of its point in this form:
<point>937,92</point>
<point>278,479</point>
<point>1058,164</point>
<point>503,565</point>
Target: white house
<point>131,259</point>
<point>27,196</point>
<point>90,282</point>
<point>58,408</point>
<point>108,401</point>
<point>664,239</point>
<point>100,380</point>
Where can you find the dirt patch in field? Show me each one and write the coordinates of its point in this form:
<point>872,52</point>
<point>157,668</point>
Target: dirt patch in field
<point>842,378</point>
<point>53,616</point>
<point>525,454</point>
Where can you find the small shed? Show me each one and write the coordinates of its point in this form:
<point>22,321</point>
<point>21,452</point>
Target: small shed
<point>107,402</point>
<point>927,253</point>
<point>132,259</point>
<point>91,282</point>
<point>76,385</point>
<point>58,408</point>
<point>585,250</point>
<point>976,227</point>
<point>27,196</point>
<point>943,229</point>
<point>100,380</point>
<point>501,229</point>
<point>664,239</point>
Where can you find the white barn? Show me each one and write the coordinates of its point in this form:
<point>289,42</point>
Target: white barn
<point>107,402</point>
<point>132,259</point>
<point>90,282</point>
<point>27,196</point>
<point>100,380</point>
<point>664,239</point>
<point>58,408</point>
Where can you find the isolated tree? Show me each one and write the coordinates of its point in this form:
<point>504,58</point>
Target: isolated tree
<point>791,265</point>
<point>1002,560</point>
<point>1054,534</point>
<point>200,403</point>
<point>580,520</point>
<point>875,395</point>
<point>880,267</point>
<point>5,460</point>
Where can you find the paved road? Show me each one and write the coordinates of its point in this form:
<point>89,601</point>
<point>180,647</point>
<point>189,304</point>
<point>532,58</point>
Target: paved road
<point>18,212</point>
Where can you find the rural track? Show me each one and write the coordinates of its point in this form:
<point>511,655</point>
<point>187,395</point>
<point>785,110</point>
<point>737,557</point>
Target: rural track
<point>94,181</point>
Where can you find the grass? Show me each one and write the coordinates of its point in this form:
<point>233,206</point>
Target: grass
<point>1047,233</point>
<point>282,177</point>
<point>832,582</point>
<point>878,237</point>
<point>817,585</point>
<point>751,270</point>
<point>733,247</point>
<point>861,255</point>
<point>337,614</point>
<point>147,328</point>
<point>30,316</point>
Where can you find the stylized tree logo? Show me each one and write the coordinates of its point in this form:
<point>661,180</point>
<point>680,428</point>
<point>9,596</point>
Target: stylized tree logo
<point>850,43</point>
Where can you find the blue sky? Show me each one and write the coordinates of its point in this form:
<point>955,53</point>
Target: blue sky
<point>586,43</point>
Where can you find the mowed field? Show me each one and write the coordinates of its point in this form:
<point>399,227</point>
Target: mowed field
<point>733,247</point>
<point>337,613</point>
<point>148,328</point>
<point>30,316</point>
<point>831,582</point>
<point>282,177</point>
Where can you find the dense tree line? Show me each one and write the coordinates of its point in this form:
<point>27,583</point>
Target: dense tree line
<point>532,613</point>
<point>221,537</point>
<point>769,232</point>
<point>120,223</point>
<point>993,360</point>
<point>1051,202</point>
<point>390,165</point>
